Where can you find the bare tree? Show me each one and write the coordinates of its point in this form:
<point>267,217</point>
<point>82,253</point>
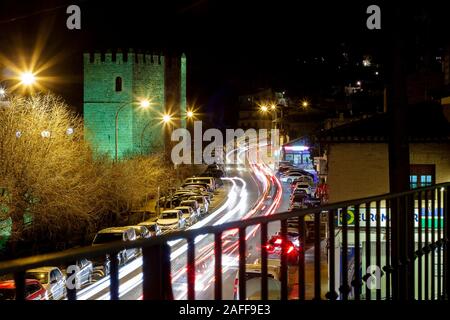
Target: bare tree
<point>50,182</point>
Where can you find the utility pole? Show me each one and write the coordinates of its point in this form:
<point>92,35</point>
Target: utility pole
<point>398,148</point>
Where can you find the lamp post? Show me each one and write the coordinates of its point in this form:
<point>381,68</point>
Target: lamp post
<point>144,104</point>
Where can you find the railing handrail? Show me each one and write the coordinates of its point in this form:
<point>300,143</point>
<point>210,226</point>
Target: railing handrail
<point>71,255</point>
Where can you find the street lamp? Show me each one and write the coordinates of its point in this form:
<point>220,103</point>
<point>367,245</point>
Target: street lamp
<point>264,108</point>
<point>167,118</point>
<point>305,104</point>
<point>27,78</point>
<point>143,104</point>
<point>190,114</point>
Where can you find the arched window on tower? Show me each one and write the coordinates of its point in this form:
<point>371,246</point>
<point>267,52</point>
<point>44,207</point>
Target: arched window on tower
<point>118,84</point>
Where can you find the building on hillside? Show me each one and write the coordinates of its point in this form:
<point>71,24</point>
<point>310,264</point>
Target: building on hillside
<point>358,160</point>
<point>115,83</point>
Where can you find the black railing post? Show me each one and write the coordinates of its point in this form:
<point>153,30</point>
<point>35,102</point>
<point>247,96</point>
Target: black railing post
<point>357,282</point>
<point>72,287</point>
<point>264,284</point>
<point>378,246</point>
<point>419,247</point>
<point>242,261</point>
<point>344,288</point>
<point>409,249</point>
<point>284,261</point>
<point>191,269</point>
<point>114,277</point>
<point>19,281</point>
<point>368,250</point>
<point>157,273</point>
<point>317,243</point>
<point>218,266</point>
<point>331,295</point>
<point>301,262</point>
<point>446,244</point>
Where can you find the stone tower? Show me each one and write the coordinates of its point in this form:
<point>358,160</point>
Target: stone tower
<point>116,81</point>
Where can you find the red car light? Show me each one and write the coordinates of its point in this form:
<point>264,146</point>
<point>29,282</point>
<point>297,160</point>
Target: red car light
<point>278,241</point>
<point>290,249</point>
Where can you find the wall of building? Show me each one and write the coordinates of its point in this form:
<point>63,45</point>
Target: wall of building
<point>433,153</point>
<point>358,170</point>
<point>101,102</point>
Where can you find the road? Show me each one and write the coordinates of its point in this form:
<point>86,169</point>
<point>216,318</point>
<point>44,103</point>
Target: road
<point>252,187</point>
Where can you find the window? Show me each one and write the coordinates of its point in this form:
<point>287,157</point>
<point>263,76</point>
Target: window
<point>422,175</point>
<point>118,84</point>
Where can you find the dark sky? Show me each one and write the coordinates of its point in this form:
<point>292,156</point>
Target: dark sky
<point>231,45</point>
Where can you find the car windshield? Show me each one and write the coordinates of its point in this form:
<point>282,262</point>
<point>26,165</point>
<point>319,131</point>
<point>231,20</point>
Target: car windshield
<point>169,215</point>
<point>7,294</point>
<point>298,197</point>
<point>107,237</point>
<point>42,277</point>
<point>302,186</point>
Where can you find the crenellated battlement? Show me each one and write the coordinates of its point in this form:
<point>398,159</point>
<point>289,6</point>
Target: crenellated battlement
<point>122,57</point>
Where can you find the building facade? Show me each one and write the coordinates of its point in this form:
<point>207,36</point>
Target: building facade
<point>358,158</point>
<point>114,85</point>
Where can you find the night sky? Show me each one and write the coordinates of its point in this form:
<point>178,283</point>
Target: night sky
<point>232,47</point>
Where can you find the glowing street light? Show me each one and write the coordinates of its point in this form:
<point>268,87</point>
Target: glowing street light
<point>305,104</point>
<point>190,114</point>
<point>264,108</point>
<point>144,104</point>
<point>273,107</point>
<point>27,78</point>
<point>167,118</point>
<point>2,92</point>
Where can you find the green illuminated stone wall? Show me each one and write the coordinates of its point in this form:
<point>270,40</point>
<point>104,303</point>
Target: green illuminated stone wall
<point>143,77</point>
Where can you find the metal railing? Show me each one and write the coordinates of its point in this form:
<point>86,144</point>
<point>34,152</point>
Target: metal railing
<point>392,246</point>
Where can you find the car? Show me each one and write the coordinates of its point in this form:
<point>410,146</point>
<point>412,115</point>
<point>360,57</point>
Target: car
<point>203,203</point>
<point>290,177</point>
<point>298,198</point>
<point>210,181</point>
<point>52,279</point>
<point>191,203</point>
<point>85,273</point>
<point>202,184</point>
<point>253,282</point>
<point>188,214</point>
<point>141,232</point>
<point>34,290</point>
<point>303,186</point>
<point>276,244</point>
<point>303,180</point>
<point>114,234</point>
<point>199,190</point>
<point>171,220</point>
<point>152,227</point>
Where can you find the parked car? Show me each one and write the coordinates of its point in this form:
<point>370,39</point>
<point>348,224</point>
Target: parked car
<point>303,186</point>
<point>171,220</point>
<point>152,227</point>
<point>203,203</point>
<point>289,177</point>
<point>86,270</point>
<point>191,203</point>
<point>52,279</point>
<point>34,290</point>
<point>253,282</point>
<point>188,214</point>
<point>141,232</point>
<point>118,234</point>
<point>208,180</point>
<point>303,179</point>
